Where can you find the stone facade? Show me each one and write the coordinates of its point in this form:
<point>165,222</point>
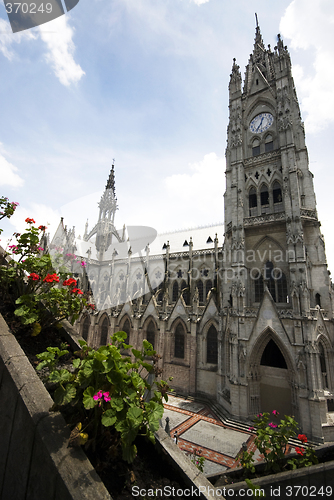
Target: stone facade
<point>248,322</point>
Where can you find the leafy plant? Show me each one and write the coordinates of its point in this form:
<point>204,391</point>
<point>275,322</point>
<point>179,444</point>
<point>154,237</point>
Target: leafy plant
<point>246,461</point>
<point>109,394</point>
<point>198,459</point>
<point>30,282</point>
<point>272,442</point>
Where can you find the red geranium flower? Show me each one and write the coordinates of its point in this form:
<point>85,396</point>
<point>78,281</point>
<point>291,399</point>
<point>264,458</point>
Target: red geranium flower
<point>300,451</point>
<point>42,228</point>
<point>70,282</point>
<point>77,290</point>
<point>30,221</point>
<point>49,278</point>
<point>302,438</point>
<point>92,306</point>
<point>34,276</point>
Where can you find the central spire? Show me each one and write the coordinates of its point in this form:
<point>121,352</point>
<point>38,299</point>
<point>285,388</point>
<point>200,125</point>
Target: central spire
<point>111,180</point>
<point>258,43</point>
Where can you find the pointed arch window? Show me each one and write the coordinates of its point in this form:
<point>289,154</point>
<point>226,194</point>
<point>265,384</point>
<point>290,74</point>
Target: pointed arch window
<point>318,299</point>
<point>276,283</point>
<point>126,328</point>
<point>323,366</point>
<point>208,286</point>
<point>281,287</point>
<point>258,287</point>
<point>161,294</point>
<point>85,328</point>
<point>175,294</point>
<point>256,147</point>
<point>134,290</point>
<point>185,295</point>
<point>277,197</point>
<point>104,331</point>
<point>264,197</point>
<point>179,342</point>
<point>212,345</point>
<point>268,143</point>
<point>200,289</point>
<point>150,333</point>
<point>123,291</point>
<point>252,199</point>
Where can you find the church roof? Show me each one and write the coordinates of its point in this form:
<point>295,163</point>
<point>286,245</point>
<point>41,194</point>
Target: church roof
<point>201,237</point>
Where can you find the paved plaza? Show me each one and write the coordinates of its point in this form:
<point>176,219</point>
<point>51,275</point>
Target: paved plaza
<point>199,428</point>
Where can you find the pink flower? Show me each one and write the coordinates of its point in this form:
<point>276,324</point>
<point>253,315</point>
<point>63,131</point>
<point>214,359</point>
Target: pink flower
<point>259,415</point>
<point>272,425</point>
<point>97,396</point>
<point>106,396</point>
<point>83,264</point>
<point>251,428</point>
<point>275,412</point>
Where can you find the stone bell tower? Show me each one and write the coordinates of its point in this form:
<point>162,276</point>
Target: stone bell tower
<point>277,293</point>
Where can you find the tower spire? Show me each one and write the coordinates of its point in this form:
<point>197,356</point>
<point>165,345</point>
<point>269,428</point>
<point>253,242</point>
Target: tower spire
<point>111,180</point>
<point>258,43</point>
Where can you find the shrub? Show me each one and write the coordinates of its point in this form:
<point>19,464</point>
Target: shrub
<point>109,394</point>
<point>272,442</point>
<point>41,295</point>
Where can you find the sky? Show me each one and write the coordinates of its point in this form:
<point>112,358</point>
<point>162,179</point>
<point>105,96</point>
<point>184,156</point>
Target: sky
<point>145,82</point>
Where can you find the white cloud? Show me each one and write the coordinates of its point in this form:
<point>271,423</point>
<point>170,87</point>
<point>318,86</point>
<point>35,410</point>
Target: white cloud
<point>310,26</point>
<point>200,2</point>
<point>42,214</point>
<point>61,50</point>
<point>7,38</point>
<point>8,175</point>
<point>206,183</point>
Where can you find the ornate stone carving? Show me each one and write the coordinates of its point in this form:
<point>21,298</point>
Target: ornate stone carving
<point>263,219</point>
<point>261,158</point>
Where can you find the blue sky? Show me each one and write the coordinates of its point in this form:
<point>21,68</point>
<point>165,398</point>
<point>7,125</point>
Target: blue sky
<point>146,82</point>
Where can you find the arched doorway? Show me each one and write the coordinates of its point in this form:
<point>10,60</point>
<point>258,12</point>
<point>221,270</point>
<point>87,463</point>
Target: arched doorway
<point>275,388</point>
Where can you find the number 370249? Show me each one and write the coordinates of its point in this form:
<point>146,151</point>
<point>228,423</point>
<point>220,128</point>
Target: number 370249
<point>28,8</point>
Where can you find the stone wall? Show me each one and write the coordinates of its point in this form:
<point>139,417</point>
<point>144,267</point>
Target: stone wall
<point>35,460</point>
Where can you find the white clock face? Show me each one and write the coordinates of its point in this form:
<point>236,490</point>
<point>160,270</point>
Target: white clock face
<point>261,123</point>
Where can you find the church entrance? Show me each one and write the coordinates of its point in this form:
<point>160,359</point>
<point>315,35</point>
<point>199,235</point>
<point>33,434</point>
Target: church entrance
<point>275,391</point>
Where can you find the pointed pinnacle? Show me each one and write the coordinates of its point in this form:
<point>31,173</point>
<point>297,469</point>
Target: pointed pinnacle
<point>111,180</point>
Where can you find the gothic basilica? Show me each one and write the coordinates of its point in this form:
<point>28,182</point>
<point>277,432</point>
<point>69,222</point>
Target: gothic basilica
<point>241,313</point>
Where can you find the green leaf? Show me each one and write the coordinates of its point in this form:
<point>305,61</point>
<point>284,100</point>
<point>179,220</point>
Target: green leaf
<point>88,400</point>
<point>59,376</point>
<point>108,418</point>
<point>136,353</point>
<point>65,395</point>
<point>76,363</point>
<point>117,403</point>
<point>135,414</point>
<point>129,453</point>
